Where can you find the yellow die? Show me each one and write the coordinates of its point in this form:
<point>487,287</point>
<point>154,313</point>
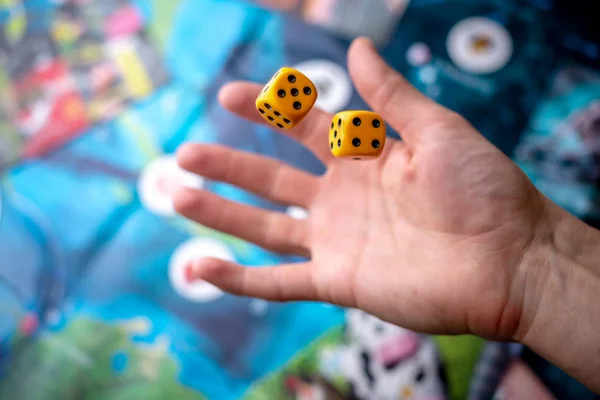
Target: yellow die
<point>357,134</point>
<point>286,100</point>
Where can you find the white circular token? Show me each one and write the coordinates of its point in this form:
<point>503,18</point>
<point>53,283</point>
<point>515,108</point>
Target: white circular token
<point>188,252</point>
<point>259,307</point>
<point>418,54</point>
<point>158,182</point>
<point>332,82</point>
<point>480,45</point>
<point>297,213</point>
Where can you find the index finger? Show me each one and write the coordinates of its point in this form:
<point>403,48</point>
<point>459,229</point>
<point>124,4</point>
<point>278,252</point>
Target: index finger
<point>239,98</point>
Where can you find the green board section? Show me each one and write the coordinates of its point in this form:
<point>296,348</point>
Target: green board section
<point>304,364</point>
<point>15,27</point>
<point>460,355</point>
<point>94,361</point>
<point>163,15</point>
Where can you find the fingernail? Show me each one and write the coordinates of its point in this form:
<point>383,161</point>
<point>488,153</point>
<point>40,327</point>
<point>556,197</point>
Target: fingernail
<point>368,42</point>
<point>190,273</point>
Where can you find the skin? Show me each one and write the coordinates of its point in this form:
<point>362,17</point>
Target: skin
<point>442,234</point>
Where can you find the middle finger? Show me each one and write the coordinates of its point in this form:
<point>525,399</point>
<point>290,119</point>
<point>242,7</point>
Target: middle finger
<point>260,175</point>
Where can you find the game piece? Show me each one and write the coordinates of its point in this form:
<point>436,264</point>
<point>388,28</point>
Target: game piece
<point>286,100</point>
<point>376,19</point>
<point>359,135</point>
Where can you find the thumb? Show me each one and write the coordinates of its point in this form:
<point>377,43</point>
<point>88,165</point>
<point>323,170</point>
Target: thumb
<point>388,93</point>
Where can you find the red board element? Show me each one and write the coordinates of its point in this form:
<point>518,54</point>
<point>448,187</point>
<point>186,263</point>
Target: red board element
<point>52,111</point>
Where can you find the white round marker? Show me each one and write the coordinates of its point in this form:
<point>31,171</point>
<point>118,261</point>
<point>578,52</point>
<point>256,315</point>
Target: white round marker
<point>418,54</point>
<point>259,307</point>
<point>188,252</point>
<point>332,82</point>
<point>297,213</point>
<point>158,182</point>
<point>480,45</point>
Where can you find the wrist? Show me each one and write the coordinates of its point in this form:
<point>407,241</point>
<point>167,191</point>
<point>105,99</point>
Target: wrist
<point>560,316</point>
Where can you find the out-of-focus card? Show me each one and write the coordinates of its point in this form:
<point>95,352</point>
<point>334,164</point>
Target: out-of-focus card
<point>376,19</point>
<point>560,151</point>
<point>484,59</point>
<point>68,66</point>
<point>521,383</point>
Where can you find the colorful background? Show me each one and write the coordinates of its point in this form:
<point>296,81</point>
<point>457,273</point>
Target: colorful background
<point>96,96</point>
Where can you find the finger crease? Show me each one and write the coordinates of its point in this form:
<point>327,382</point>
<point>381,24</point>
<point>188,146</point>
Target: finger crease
<point>276,183</point>
<point>231,168</point>
<point>279,283</point>
<point>271,233</point>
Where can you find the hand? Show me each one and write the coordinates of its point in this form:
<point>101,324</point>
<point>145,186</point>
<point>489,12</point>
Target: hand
<point>431,236</point>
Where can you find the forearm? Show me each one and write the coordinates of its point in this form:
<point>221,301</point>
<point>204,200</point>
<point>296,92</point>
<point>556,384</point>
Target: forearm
<point>561,317</point>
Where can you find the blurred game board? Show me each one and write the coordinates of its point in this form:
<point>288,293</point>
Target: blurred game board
<point>67,67</point>
<point>96,96</point>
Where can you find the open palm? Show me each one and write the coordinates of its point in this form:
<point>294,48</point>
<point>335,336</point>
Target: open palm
<point>430,236</point>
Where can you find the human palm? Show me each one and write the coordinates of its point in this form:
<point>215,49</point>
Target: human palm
<point>430,236</point>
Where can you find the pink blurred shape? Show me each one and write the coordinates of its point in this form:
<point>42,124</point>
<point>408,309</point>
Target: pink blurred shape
<point>124,22</point>
<point>398,348</point>
<point>29,324</point>
<point>396,6</point>
<point>320,12</point>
